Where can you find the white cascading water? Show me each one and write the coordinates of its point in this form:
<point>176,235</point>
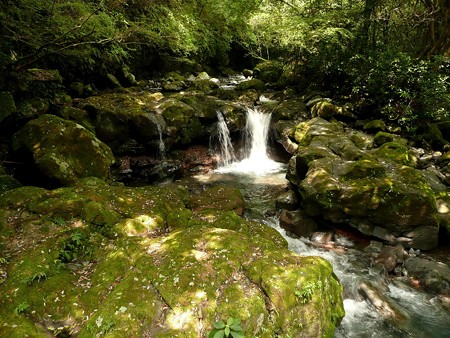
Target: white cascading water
<point>257,160</point>
<point>161,147</point>
<point>226,148</point>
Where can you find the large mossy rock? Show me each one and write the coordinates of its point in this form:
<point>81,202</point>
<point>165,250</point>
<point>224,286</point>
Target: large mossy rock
<point>268,71</point>
<point>146,117</point>
<point>63,150</point>
<point>113,261</point>
<point>377,191</point>
<point>119,116</point>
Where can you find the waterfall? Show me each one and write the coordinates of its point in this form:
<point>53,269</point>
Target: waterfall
<point>226,148</point>
<point>257,135</point>
<point>161,147</point>
<point>257,160</point>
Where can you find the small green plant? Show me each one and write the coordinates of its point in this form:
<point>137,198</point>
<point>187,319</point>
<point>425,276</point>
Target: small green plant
<point>36,278</point>
<point>59,221</point>
<point>75,247</point>
<point>305,294</point>
<point>23,307</point>
<point>232,328</point>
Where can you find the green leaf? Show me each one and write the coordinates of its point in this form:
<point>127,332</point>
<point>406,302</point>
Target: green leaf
<point>230,321</point>
<point>219,334</point>
<point>236,327</point>
<point>235,334</point>
<point>227,331</point>
<point>219,325</point>
<point>216,333</point>
<point>236,321</point>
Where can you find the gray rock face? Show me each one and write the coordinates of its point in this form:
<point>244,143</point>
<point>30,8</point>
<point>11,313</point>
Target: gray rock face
<point>433,276</point>
<point>297,222</point>
<point>377,191</point>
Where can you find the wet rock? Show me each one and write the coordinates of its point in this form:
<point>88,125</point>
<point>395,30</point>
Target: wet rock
<point>50,140</point>
<point>322,238</point>
<point>165,171</point>
<point>374,247</point>
<point>385,306</point>
<point>287,201</point>
<point>433,276</point>
<point>390,257</point>
<point>297,222</point>
<point>196,159</point>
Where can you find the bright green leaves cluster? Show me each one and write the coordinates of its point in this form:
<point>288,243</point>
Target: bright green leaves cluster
<point>401,88</point>
<point>232,328</point>
<point>90,35</point>
<point>304,26</point>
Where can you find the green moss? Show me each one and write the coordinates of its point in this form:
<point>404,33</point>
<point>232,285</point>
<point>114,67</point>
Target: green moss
<point>8,183</point>
<point>365,168</point>
<point>168,272</point>
<point>50,140</point>
<point>395,152</point>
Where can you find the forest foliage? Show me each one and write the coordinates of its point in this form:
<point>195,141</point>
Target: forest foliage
<point>389,55</point>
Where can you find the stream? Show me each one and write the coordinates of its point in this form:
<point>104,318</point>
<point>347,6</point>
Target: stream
<point>261,181</point>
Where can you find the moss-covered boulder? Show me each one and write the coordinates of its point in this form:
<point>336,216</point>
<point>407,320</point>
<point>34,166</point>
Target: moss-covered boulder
<point>63,150</point>
<point>100,260</point>
<point>119,116</point>
<point>377,191</point>
<point>251,84</point>
<point>328,110</point>
<point>290,110</point>
<point>268,71</point>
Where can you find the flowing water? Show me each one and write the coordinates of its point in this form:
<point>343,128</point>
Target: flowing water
<point>256,160</point>
<point>261,181</point>
<point>226,147</point>
<point>161,145</point>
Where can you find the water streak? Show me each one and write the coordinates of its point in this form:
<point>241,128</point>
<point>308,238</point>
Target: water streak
<point>162,147</point>
<point>226,148</point>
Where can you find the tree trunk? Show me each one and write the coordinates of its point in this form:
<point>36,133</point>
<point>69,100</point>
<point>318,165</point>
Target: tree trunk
<point>438,35</point>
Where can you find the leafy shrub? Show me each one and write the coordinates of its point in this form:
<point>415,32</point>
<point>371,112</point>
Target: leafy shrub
<point>399,87</point>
